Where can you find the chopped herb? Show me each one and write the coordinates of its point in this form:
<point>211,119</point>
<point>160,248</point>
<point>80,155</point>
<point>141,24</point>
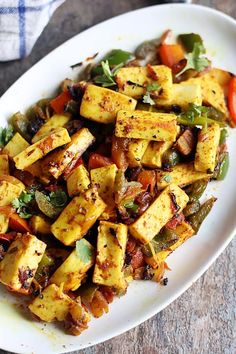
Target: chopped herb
<point>195,60</point>
<point>195,115</point>
<point>107,79</point>
<point>132,206</point>
<point>5,135</point>
<point>83,251</point>
<point>58,198</point>
<point>167,178</point>
<point>153,87</point>
<point>147,99</point>
<point>21,204</point>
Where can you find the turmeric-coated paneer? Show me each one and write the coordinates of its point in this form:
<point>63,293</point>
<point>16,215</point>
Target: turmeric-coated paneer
<point>171,201</point>
<point>134,81</point>
<point>41,148</point>
<point>40,225</point>
<point>153,155</point>
<point>207,146</point>
<point>78,216</point>
<point>4,222</point>
<point>4,165</point>
<point>19,265</point>
<point>111,244</point>
<point>10,188</point>
<point>182,174</point>
<point>15,146</point>
<point>56,121</point>
<point>78,181</point>
<point>136,150</point>
<point>146,125</point>
<point>101,104</point>
<point>73,270</point>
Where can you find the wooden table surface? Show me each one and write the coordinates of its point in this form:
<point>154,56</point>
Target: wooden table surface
<point>203,319</point>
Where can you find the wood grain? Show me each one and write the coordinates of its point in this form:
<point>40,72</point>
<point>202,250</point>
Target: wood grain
<point>203,319</point>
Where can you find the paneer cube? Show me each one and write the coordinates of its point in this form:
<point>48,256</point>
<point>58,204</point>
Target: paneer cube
<point>40,225</point>
<point>77,218</point>
<point>146,125</point>
<point>222,77</point>
<point>59,160</point>
<point>56,121</point>
<point>19,265</point>
<point>101,104</point>
<point>182,174</point>
<point>111,244</point>
<point>132,81</point>
<point>4,222</point>
<point>104,179</point>
<point>38,150</point>
<point>153,155</point>
<point>15,146</point>
<point>4,165</point>
<point>73,270</point>
<point>136,150</point>
<point>78,181</point>
<point>184,232</point>
<point>165,206</point>
<point>10,188</point>
<point>207,145</point>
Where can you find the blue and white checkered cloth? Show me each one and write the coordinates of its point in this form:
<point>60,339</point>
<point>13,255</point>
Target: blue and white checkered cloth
<point>21,23</point>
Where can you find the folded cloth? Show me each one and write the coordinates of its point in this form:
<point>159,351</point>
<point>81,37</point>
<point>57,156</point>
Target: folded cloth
<point>21,23</point>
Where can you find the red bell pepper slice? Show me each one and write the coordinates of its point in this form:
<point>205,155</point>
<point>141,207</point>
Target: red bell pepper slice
<point>232,98</point>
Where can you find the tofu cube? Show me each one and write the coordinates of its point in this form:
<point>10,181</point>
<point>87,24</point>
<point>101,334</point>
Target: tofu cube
<point>40,225</point>
<point>166,205</point>
<point>78,181</point>
<point>4,165</point>
<point>38,150</point>
<point>111,245</point>
<point>19,265</point>
<point>146,125</point>
<point>15,146</point>
<point>182,174</point>
<point>207,145</point>
<point>77,218</point>
<point>136,150</point>
<point>101,104</point>
<point>132,81</point>
<point>153,155</point>
<point>73,270</point>
<point>10,188</point>
<point>56,121</point>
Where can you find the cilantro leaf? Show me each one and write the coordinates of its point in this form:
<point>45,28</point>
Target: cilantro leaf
<point>83,251</point>
<point>147,99</point>
<point>107,79</point>
<point>58,198</point>
<point>22,204</point>
<point>132,206</point>
<point>167,178</point>
<point>154,86</point>
<point>195,60</point>
<point>194,111</point>
<point>5,135</point>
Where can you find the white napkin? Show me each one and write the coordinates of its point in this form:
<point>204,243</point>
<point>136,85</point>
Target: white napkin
<point>21,23</point>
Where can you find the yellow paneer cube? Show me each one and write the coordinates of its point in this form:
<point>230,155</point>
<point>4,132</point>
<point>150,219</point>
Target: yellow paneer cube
<point>136,150</point>
<point>4,222</point>
<point>146,125</point>
<point>73,270</point>
<point>184,232</point>
<point>221,76</point>
<point>10,188</point>
<point>132,81</point>
<point>154,153</point>
<point>182,95</point>
<point>207,145</point>
<point>38,150</point>
<point>19,265</point>
<point>104,179</point>
<point>78,181</point>
<point>166,205</point>
<point>15,146</point>
<point>77,218</point>
<point>59,160</point>
<point>4,165</point>
<point>56,121</point>
<point>40,225</point>
<point>111,244</point>
<point>181,174</point>
<point>101,104</point>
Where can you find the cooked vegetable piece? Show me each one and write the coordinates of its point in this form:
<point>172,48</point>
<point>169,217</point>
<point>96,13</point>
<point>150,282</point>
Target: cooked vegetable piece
<point>171,54</point>
<point>58,103</point>
<point>19,224</point>
<point>101,105</point>
<point>119,150</point>
<point>207,145</point>
<point>78,181</point>
<point>195,190</point>
<point>97,160</point>
<point>4,165</point>
<point>146,125</point>
<point>73,269</point>
<point>111,246</point>
<point>170,158</point>
<point>154,153</point>
<point>189,39</point>
<point>182,174</point>
<point>19,265</point>
<point>191,208</point>
<point>232,98</point>
<point>56,121</point>
<point>77,218</point>
<point>10,188</point>
<point>147,178</point>
<point>136,150</point>
<point>15,146</point>
<point>197,219</point>
<point>38,150</point>
<point>40,225</point>
<point>186,142</point>
<point>6,135</point>
<point>114,57</point>
<point>77,319</point>
<point>133,81</point>
<point>21,125</point>
<point>165,206</point>
<point>224,166</point>
<point>104,179</point>
<point>58,160</point>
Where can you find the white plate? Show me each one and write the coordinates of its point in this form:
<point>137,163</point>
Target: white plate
<point>144,299</point>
